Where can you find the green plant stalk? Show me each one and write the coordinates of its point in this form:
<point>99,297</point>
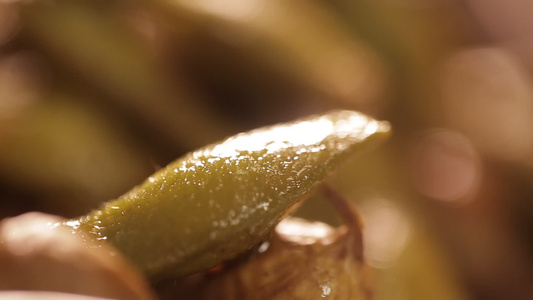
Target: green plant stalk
<point>219,201</point>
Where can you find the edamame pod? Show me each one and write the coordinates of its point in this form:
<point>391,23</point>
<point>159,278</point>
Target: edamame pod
<point>220,200</point>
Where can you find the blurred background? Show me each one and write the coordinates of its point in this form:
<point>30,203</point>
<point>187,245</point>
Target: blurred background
<point>97,95</point>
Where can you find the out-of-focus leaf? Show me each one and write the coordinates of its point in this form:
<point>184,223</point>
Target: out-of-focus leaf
<point>63,148</point>
<point>299,41</point>
<point>92,42</point>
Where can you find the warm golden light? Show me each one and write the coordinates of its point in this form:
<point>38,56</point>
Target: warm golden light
<point>386,232</point>
<point>306,134</point>
<point>303,232</point>
<point>9,23</point>
<point>487,96</point>
<point>23,79</point>
<point>446,166</point>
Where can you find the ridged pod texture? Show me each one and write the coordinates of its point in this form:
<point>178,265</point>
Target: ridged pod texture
<point>220,200</point>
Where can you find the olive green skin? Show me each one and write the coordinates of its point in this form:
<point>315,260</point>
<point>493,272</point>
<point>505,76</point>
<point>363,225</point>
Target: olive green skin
<point>219,201</point>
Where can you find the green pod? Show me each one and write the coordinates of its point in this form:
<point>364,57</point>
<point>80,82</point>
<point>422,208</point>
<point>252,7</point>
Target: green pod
<point>220,200</point>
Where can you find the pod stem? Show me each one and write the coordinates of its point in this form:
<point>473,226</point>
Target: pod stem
<point>351,218</point>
